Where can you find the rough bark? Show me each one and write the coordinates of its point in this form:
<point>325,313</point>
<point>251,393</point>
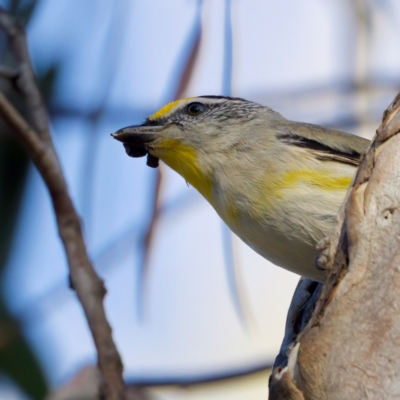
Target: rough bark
<point>348,347</point>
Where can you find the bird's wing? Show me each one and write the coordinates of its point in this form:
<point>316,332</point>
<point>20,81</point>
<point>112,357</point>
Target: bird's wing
<point>325,143</point>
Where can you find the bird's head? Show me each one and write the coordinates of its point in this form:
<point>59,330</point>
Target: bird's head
<point>192,135</point>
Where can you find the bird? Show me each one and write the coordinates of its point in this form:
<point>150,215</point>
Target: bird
<point>276,183</point>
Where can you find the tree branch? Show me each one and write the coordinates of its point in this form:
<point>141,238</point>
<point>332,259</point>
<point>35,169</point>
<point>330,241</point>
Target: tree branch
<point>38,144</point>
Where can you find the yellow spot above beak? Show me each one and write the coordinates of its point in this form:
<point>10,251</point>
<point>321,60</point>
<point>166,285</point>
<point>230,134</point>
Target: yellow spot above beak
<point>166,110</point>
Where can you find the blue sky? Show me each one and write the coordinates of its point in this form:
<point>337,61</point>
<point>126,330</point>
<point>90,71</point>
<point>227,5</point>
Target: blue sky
<point>124,57</point>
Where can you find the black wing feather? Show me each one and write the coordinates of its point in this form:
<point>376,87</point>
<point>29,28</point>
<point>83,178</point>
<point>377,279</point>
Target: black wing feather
<point>328,144</point>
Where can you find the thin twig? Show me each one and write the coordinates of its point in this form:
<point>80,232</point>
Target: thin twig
<point>232,266</point>
<point>88,286</point>
<point>111,59</point>
<point>149,232</point>
<point>147,240</point>
<point>26,80</point>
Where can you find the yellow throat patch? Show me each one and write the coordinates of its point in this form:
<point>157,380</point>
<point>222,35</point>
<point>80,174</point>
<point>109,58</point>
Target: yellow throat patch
<point>184,160</point>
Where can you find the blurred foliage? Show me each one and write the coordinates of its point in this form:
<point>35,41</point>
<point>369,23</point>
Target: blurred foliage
<point>17,359</point>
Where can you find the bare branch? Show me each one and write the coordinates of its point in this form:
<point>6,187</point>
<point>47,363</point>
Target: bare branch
<point>26,80</point>
<point>149,233</point>
<point>88,286</point>
<point>8,73</point>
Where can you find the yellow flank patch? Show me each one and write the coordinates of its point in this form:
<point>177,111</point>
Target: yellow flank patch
<point>272,188</point>
<point>183,159</point>
<point>324,180</point>
<point>164,111</point>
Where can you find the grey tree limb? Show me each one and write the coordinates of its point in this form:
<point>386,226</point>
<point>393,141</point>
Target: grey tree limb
<point>38,144</point>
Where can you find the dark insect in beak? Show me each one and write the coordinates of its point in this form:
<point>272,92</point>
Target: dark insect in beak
<point>135,138</point>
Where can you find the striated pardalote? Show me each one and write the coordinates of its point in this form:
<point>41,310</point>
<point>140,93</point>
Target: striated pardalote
<point>276,183</point>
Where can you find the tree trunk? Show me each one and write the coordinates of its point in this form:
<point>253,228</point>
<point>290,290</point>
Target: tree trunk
<point>342,338</point>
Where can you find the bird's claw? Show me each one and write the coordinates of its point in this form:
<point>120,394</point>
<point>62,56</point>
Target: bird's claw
<point>322,259</point>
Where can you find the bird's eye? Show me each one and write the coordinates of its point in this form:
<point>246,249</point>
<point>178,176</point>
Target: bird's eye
<point>195,109</point>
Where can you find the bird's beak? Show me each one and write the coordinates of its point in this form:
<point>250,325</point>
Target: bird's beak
<point>138,135</point>
<point>136,138</point>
